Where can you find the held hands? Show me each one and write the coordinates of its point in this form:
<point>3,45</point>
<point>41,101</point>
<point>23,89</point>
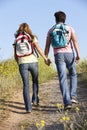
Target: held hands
<point>47,62</point>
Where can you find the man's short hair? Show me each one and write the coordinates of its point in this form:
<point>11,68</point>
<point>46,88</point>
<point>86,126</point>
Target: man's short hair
<point>60,16</point>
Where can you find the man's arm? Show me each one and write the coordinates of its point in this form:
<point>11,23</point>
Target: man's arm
<point>47,46</point>
<point>40,51</point>
<point>76,46</point>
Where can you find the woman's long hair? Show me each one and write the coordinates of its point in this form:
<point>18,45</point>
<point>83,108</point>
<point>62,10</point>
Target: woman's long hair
<point>24,27</point>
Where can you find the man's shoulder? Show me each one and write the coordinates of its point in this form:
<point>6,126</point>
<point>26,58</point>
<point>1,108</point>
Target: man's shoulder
<point>70,28</point>
<point>50,30</point>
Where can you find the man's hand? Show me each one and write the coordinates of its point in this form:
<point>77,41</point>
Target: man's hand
<point>77,59</point>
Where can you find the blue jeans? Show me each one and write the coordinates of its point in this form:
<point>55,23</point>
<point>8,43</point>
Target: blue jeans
<point>24,71</point>
<point>63,61</point>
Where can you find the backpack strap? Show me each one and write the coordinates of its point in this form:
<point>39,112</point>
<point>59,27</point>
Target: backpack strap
<point>29,37</point>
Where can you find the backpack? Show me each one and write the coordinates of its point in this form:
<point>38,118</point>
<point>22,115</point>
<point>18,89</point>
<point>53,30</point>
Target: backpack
<point>24,45</point>
<point>60,36</point>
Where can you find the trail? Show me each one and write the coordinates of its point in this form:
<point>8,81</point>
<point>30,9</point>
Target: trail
<point>49,96</point>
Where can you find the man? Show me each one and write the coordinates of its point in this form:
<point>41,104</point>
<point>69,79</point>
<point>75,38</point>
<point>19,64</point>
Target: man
<point>65,58</point>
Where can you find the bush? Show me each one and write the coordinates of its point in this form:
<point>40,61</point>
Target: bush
<point>82,68</point>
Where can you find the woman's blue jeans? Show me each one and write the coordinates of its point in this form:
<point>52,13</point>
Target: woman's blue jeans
<point>63,61</point>
<point>24,71</point>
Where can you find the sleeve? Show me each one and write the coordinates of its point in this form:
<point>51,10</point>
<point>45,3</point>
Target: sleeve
<point>72,30</point>
<point>49,32</point>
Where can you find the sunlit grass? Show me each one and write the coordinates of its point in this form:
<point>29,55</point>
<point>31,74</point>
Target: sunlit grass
<point>82,66</point>
<point>82,69</point>
<point>45,72</point>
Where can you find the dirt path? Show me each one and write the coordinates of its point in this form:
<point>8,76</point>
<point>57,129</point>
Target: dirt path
<point>49,96</point>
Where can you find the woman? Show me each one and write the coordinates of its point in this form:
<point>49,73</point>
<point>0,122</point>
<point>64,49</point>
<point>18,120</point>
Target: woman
<point>29,63</point>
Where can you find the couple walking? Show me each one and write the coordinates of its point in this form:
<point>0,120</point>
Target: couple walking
<point>64,58</point>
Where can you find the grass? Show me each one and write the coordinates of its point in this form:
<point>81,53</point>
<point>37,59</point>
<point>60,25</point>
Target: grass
<point>45,72</point>
<point>74,121</point>
<point>10,81</point>
<point>82,68</point>
<point>10,78</point>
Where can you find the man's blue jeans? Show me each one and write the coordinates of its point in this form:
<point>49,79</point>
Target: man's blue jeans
<point>24,71</point>
<point>63,61</point>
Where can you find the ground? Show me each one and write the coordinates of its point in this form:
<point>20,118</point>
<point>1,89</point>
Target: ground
<point>50,95</point>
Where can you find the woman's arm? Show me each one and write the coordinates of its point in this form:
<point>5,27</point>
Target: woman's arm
<point>40,51</point>
<point>15,56</point>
